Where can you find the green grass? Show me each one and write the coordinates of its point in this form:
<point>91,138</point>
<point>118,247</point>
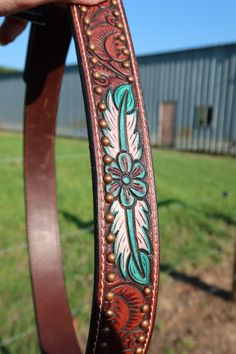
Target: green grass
<point>197,202</point>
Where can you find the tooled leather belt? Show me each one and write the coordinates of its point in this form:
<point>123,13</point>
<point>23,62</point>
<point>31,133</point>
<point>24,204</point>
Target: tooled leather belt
<point>125,209</point>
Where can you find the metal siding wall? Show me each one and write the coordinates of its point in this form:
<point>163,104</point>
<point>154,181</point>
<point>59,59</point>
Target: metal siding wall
<point>12,91</point>
<point>189,78</point>
<point>71,119</point>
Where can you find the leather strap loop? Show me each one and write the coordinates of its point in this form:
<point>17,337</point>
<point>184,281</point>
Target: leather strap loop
<point>125,212</point>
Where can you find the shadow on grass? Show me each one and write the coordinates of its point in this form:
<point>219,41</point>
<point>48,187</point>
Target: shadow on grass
<point>221,216</point>
<point>212,215</point>
<point>196,282</point>
<point>77,221</point>
<point>3,349</point>
<point>167,202</point>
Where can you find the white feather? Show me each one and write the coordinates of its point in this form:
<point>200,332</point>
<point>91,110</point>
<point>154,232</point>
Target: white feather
<point>120,229</point>
<point>133,138</point>
<point>112,132</point>
<point>141,225</point>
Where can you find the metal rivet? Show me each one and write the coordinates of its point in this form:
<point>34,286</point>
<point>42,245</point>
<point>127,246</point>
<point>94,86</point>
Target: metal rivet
<point>125,51</point>
<point>147,291</point>
<point>87,21</point>
<point>125,64</point>
<point>109,314</point>
<point>102,106</point>
<point>107,159</point>
<point>91,46</point>
<point>116,13</point>
<point>114,2</point>
<point>83,9</point>
<point>111,277</point>
<point>122,38</point>
<point>98,90</point>
<point>111,258</point>
<point>130,78</point>
<point>110,238</point>
<point>138,351</point>
<point>102,123</point>
<point>105,141</point>
<point>109,198</point>
<point>93,60</point>
<point>141,339</point>
<point>144,324</point>
<point>96,75</point>
<point>119,25</point>
<point>89,33</point>
<point>110,296</point>
<point>105,330</point>
<point>109,218</point>
<point>145,308</point>
<point>107,178</point>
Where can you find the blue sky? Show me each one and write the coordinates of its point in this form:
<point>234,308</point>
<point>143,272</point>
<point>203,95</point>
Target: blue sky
<point>158,25</point>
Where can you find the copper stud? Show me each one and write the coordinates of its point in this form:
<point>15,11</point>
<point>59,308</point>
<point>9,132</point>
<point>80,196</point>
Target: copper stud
<point>89,33</point>
<point>109,218</point>
<point>96,75</point>
<point>98,90</point>
<point>107,159</point>
<point>83,9</point>
<point>130,79</point>
<point>110,296</point>
<point>145,308</point>
<point>87,21</point>
<point>125,51</point>
<point>116,13</point>
<point>93,60</point>
<point>110,238</point>
<point>114,2</point>
<point>109,198</point>
<point>102,106</point>
<point>105,141</point>
<point>91,46</point>
<point>122,38</point>
<point>144,324</point>
<point>111,277</point>
<point>138,351</point>
<point>141,339</point>
<point>119,25</point>
<point>105,330</point>
<point>107,178</point>
<point>102,123</point>
<point>126,64</point>
<point>109,314</point>
<point>111,258</point>
<point>147,291</point>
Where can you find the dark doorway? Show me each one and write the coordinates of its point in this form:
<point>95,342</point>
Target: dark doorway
<point>166,123</point>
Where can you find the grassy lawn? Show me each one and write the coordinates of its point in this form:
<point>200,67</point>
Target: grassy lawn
<point>197,202</point>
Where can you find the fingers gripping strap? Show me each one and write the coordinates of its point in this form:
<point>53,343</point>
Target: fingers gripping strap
<point>126,227</point>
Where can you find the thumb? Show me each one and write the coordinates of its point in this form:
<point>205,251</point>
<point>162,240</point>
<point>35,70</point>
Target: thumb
<point>10,29</point>
<point>13,6</point>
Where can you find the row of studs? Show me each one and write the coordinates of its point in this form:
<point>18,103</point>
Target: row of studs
<point>107,178</point>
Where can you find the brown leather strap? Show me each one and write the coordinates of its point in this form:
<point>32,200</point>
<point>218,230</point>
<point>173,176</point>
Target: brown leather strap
<point>125,212</point>
<point>46,57</point>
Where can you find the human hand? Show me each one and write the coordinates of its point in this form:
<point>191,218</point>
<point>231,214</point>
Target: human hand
<point>12,27</point>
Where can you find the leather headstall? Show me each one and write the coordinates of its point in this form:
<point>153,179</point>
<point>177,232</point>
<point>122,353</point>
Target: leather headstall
<point>125,208</point>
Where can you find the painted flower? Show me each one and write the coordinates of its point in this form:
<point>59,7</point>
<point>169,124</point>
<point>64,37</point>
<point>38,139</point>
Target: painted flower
<point>127,178</point>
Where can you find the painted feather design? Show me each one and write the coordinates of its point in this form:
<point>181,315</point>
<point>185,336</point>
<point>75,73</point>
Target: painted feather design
<point>123,249</point>
<point>130,210</point>
<point>133,136</point>
<point>112,117</point>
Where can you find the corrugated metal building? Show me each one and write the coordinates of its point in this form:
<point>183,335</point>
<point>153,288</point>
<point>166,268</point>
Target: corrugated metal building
<point>190,98</point>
